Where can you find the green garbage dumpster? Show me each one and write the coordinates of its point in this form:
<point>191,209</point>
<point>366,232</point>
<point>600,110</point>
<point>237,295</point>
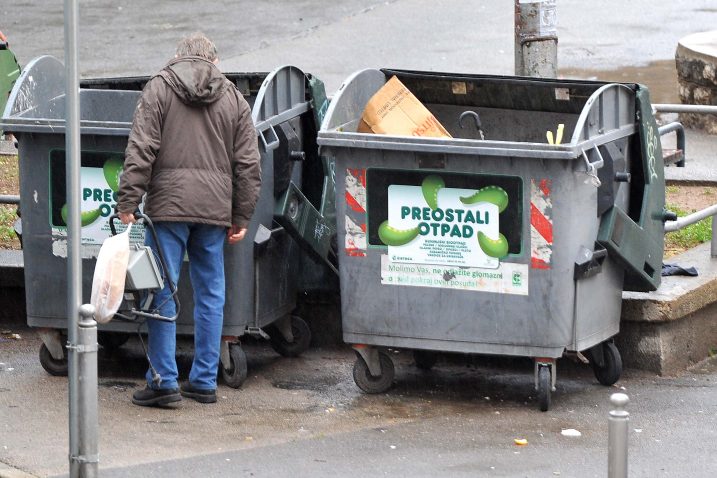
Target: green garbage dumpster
<point>495,241</point>
<point>262,274</point>
<point>9,72</point>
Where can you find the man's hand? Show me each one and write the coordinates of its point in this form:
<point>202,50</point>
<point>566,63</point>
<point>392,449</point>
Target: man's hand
<point>235,234</point>
<point>126,217</point>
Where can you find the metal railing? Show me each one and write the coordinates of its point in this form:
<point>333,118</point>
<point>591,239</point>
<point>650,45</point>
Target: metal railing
<point>679,131</point>
<point>697,109</point>
<point>693,218</point>
<point>671,226</point>
<point>9,199</point>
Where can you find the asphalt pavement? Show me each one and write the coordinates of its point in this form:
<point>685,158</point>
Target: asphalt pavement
<point>305,417</point>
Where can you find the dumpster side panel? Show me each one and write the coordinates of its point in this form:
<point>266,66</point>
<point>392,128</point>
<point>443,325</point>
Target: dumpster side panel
<point>461,320</point>
<point>45,264</point>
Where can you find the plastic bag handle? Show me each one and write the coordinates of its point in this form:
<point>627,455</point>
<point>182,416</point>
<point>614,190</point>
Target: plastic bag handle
<point>137,214</point>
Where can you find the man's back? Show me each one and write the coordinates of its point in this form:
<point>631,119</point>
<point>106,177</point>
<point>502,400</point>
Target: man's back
<point>191,125</point>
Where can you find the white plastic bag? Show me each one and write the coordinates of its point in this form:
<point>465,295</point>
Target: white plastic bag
<point>109,277</point>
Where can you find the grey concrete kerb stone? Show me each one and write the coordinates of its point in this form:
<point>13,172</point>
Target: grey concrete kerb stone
<point>696,61</point>
<point>669,330</point>
<point>7,148</point>
<point>7,471</point>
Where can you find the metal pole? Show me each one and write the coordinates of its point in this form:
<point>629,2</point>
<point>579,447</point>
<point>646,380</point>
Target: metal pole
<point>671,108</point>
<point>536,38</point>
<point>713,243</point>
<point>617,437</point>
<point>87,425</point>
<point>82,406</point>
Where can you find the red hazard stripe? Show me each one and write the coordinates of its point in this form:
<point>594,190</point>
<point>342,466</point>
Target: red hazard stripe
<point>545,185</point>
<point>359,174</point>
<point>541,223</point>
<point>536,263</point>
<point>353,204</point>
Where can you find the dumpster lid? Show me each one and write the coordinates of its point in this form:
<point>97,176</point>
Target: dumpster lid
<point>283,96</point>
<point>36,103</point>
<point>605,111</point>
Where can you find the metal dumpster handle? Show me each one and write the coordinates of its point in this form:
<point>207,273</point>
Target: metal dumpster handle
<point>476,118</point>
<point>269,145</point>
<point>591,168</point>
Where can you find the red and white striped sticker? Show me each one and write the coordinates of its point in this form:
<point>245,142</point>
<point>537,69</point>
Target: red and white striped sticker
<point>355,238</point>
<point>541,224</point>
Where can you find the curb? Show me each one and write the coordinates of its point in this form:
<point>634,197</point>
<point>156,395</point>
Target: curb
<point>7,149</point>
<point>7,471</point>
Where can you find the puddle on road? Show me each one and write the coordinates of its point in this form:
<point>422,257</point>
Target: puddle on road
<point>313,384</point>
<point>121,385</point>
<point>660,77</point>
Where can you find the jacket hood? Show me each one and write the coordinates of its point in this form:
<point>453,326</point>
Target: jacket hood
<point>195,80</point>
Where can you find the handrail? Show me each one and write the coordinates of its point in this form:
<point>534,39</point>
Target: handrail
<point>681,223</point>
<point>680,133</point>
<point>672,108</point>
<point>708,211</point>
<point>691,219</point>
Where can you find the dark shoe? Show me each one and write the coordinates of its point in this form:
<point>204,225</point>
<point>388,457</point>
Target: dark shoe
<point>150,397</point>
<point>202,396</point>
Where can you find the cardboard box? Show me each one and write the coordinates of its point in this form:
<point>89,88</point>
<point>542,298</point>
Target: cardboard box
<point>396,111</point>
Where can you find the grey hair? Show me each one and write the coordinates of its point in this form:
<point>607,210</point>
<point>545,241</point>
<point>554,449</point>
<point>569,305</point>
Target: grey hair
<point>197,44</point>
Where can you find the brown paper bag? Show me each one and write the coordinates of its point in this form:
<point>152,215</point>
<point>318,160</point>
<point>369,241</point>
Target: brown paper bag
<point>396,111</point>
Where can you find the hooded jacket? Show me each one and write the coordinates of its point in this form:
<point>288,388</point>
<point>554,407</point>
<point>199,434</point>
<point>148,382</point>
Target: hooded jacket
<point>192,149</point>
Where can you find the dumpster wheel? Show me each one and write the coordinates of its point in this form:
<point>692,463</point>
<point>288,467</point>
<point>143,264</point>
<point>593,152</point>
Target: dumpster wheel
<point>424,359</point>
<point>235,374</point>
<point>51,365</point>
<point>544,387</point>
<point>370,383</point>
<point>112,340</point>
<point>301,338</point>
<point>610,370</point>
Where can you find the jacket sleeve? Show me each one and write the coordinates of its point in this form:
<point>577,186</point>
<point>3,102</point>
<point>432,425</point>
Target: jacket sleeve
<point>246,167</point>
<point>142,148</point>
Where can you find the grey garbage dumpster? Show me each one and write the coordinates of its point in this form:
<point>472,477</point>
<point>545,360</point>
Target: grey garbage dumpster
<point>495,241</point>
<point>262,274</point>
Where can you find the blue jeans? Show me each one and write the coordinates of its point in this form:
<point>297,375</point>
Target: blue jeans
<point>204,244</point>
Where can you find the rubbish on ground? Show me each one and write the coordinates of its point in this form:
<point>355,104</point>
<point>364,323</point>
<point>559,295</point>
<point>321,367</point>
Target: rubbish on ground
<point>520,441</point>
<point>570,432</point>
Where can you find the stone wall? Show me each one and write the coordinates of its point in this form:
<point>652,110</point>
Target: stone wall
<point>697,77</point>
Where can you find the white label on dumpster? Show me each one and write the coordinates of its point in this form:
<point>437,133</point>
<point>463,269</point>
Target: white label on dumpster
<point>508,278</point>
<point>445,232</point>
<point>97,202</point>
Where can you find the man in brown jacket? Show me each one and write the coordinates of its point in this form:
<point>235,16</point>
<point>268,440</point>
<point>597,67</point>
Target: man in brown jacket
<point>193,151</point>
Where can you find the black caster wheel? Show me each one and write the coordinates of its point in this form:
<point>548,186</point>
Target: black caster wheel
<point>374,384</point>
<point>51,365</point>
<point>302,338</point>
<point>236,374</point>
<point>545,386</point>
<point>610,370</point>
<point>425,360</point>
<point>112,340</point>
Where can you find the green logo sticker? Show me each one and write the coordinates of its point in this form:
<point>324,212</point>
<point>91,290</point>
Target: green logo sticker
<point>432,224</point>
